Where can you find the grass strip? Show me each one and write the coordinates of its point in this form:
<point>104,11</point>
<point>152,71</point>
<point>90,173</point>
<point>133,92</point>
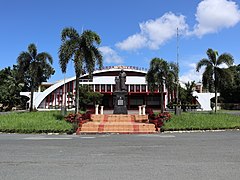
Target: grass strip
<point>53,122</point>
<point>202,121</point>
<point>34,122</point>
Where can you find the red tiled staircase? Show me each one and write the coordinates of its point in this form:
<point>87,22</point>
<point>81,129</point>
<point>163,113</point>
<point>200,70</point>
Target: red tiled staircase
<point>118,123</point>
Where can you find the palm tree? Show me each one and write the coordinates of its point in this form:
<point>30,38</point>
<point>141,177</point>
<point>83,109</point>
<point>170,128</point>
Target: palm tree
<point>213,74</point>
<point>156,77</point>
<point>171,80</point>
<point>35,68</point>
<point>83,51</point>
<point>189,89</point>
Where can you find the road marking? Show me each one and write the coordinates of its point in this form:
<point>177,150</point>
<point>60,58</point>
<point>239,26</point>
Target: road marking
<point>154,135</point>
<point>167,136</point>
<point>45,138</point>
<point>87,137</point>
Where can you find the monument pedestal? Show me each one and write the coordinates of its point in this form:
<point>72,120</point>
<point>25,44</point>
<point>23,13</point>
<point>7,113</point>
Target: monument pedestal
<point>120,105</point>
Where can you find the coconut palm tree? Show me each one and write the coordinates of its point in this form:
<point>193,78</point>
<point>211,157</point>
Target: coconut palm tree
<point>213,74</point>
<point>35,68</point>
<point>156,77</point>
<point>171,81</point>
<point>189,90</point>
<point>82,50</point>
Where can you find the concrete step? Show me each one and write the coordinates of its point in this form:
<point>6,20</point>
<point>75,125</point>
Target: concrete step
<point>117,127</point>
<point>118,123</point>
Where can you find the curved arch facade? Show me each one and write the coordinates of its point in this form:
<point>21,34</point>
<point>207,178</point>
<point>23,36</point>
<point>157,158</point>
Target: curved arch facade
<point>103,81</point>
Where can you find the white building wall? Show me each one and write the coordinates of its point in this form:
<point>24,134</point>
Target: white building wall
<point>135,80</point>
<point>111,80</point>
<point>103,80</point>
<point>204,100</point>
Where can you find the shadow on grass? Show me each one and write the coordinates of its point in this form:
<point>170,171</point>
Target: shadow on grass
<point>58,116</point>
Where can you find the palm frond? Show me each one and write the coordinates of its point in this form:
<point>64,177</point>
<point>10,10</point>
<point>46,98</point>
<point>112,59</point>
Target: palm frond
<point>98,56</point>
<point>32,49</point>
<point>44,57</point>
<point>69,33</point>
<point>203,62</point>
<point>212,56</point>
<point>91,37</point>
<point>225,58</point>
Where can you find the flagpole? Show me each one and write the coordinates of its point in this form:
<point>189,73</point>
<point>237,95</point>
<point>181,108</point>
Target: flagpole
<point>178,105</point>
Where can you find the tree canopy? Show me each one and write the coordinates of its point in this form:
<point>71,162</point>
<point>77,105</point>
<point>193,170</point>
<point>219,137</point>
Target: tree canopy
<point>34,68</point>
<point>214,75</point>
<point>10,88</point>
<point>158,74</point>
<point>82,50</point>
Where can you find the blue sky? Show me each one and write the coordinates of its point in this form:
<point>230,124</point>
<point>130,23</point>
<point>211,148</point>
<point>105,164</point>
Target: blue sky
<point>132,31</point>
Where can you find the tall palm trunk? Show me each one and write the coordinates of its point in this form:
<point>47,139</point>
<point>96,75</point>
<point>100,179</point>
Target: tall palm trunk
<point>215,101</point>
<point>169,97</point>
<point>215,84</point>
<point>161,100</point>
<point>77,94</point>
<point>31,100</point>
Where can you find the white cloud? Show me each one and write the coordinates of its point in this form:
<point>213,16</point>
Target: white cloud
<point>211,17</point>
<point>154,33</point>
<point>136,41</point>
<point>191,74</point>
<point>214,15</point>
<point>110,56</point>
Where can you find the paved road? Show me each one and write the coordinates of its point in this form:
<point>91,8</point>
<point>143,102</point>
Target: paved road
<point>125,157</point>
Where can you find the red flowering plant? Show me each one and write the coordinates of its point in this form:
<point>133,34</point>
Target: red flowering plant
<point>149,111</point>
<point>158,119</point>
<point>165,116</point>
<point>78,118</point>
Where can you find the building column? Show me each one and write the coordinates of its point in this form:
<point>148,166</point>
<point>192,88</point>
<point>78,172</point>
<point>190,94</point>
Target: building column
<point>96,109</point>
<point>139,110</point>
<point>101,111</point>
<point>144,109</point>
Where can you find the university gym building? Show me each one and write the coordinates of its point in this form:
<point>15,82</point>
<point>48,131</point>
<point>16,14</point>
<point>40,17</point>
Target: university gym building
<point>54,96</point>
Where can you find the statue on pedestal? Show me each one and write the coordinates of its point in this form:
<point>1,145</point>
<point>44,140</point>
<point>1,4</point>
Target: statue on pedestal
<point>117,83</point>
<point>120,104</point>
<point>122,77</point>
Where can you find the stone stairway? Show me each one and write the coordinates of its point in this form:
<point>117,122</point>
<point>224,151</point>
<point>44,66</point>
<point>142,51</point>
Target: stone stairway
<point>115,123</point>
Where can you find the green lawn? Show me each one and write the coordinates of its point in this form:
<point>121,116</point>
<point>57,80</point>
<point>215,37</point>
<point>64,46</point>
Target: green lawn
<point>34,122</point>
<point>203,121</point>
<point>52,121</point>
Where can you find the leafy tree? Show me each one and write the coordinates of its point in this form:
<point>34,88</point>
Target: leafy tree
<point>230,89</point>
<point>83,51</point>
<point>87,96</point>
<point>156,77</point>
<point>10,88</point>
<point>34,68</point>
<point>213,74</point>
